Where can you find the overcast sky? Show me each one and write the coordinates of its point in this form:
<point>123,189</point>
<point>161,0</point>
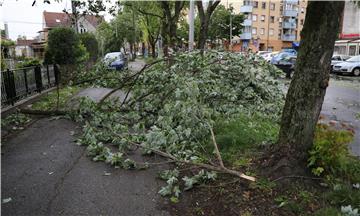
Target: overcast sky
<point>23,19</point>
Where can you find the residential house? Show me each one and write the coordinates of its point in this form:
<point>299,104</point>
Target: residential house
<point>23,48</point>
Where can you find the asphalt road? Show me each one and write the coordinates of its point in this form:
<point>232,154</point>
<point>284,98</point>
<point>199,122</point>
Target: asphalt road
<point>342,105</point>
<point>45,173</point>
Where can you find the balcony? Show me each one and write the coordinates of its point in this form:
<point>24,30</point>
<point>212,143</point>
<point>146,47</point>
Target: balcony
<point>288,37</point>
<point>245,36</point>
<point>247,22</point>
<point>246,9</point>
<point>289,25</point>
<point>290,13</point>
<point>291,1</point>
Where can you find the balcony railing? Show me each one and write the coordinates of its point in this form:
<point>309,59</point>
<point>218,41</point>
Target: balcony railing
<point>289,25</point>
<point>288,37</point>
<point>246,9</point>
<point>247,22</point>
<point>245,36</point>
<point>291,1</point>
<point>290,13</point>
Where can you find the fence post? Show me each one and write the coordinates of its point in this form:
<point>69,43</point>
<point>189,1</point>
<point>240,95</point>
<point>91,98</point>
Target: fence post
<point>26,82</point>
<point>57,74</point>
<point>48,75</point>
<point>38,78</point>
<point>10,87</point>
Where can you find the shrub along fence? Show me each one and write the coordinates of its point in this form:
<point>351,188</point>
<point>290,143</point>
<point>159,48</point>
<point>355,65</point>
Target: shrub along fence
<point>21,83</point>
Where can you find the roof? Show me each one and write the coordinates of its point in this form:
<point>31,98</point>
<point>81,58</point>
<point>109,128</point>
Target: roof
<point>55,19</point>
<point>24,42</point>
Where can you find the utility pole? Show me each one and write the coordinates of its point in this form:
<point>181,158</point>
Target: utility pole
<point>191,25</point>
<point>230,44</point>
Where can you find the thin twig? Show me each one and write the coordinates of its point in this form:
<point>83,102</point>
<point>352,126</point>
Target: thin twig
<point>294,176</point>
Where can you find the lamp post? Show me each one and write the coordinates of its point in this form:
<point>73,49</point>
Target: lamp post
<point>191,25</point>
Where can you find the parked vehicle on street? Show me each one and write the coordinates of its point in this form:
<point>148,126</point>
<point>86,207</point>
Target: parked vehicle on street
<point>280,56</point>
<point>268,56</point>
<point>350,66</point>
<point>116,61</point>
<point>290,50</point>
<point>287,65</point>
<point>336,59</point>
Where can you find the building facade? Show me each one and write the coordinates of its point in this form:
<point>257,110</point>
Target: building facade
<point>272,24</point>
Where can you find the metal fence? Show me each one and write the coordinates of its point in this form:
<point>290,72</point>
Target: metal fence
<point>20,83</point>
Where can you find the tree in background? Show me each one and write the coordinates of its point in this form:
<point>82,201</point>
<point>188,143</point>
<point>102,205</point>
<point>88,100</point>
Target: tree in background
<point>308,86</point>
<point>64,48</point>
<point>204,16</point>
<point>219,27</point>
<point>91,45</point>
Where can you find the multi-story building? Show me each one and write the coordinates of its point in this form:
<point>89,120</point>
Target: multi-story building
<point>272,24</point>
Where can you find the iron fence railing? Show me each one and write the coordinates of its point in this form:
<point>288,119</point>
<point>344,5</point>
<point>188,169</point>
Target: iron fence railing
<point>20,83</point>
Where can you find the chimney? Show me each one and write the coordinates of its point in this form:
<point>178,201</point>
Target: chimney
<point>6,31</point>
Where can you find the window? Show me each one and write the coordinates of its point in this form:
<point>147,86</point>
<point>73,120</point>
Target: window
<point>272,19</point>
<point>262,31</point>
<point>302,10</point>
<point>254,31</point>
<point>254,17</point>
<point>271,31</point>
<point>352,50</point>
<point>302,22</point>
<point>262,18</point>
<point>263,5</point>
<point>256,4</point>
<point>272,6</point>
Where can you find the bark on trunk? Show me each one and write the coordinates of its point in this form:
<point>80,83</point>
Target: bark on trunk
<point>204,21</point>
<point>307,89</point>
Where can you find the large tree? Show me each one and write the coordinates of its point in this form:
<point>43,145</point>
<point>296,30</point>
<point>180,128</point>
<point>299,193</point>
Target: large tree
<point>205,16</point>
<point>308,86</point>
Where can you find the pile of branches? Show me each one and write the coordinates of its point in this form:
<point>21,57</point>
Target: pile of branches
<point>170,107</point>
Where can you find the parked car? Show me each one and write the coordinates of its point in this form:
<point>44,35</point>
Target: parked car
<point>116,60</point>
<point>351,65</point>
<point>261,53</point>
<point>290,50</point>
<point>336,59</point>
<point>268,56</point>
<point>287,65</point>
<point>280,56</point>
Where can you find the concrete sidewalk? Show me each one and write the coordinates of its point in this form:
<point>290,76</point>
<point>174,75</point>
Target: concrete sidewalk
<point>45,173</point>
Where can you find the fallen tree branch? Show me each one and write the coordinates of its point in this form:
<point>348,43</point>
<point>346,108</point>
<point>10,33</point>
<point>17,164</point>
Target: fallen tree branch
<point>216,147</point>
<point>129,78</point>
<point>203,165</point>
<point>43,112</point>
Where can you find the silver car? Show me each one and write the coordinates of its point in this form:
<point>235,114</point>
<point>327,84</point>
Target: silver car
<point>336,59</point>
<point>352,66</point>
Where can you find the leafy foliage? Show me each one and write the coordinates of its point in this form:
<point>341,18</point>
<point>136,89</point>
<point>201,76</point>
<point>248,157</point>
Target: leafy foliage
<point>171,107</point>
<point>91,44</point>
<point>15,120</point>
<point>28,62</point>
<point>330,154</point>
<point>64,47</point>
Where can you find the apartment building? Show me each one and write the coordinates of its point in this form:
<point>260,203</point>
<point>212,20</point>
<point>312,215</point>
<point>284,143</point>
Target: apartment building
<point>272,24</point>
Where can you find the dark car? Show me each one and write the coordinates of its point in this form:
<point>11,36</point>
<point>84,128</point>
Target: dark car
<point>287,64</point>
<point>116,60</point>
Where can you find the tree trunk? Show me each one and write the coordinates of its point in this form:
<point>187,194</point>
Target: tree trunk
<point>153,49</point>
<point>308,86</point>
<point>204,21</point>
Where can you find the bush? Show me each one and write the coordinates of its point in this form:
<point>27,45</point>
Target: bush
<point>28,62</point>
<point>330,154</point>
<point>90,43</point>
